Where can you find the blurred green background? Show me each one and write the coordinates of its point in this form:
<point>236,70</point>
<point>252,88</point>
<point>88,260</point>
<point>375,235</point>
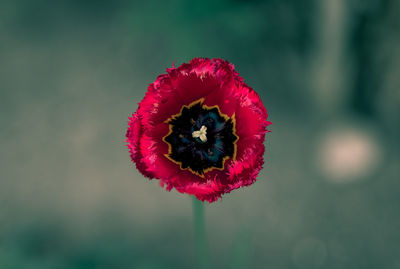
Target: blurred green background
<point>71,72</point>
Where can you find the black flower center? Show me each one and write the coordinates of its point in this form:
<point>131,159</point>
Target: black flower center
<point>200,138</point>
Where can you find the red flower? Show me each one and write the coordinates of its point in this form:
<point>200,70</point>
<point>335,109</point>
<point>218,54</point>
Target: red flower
<point>199,129</point>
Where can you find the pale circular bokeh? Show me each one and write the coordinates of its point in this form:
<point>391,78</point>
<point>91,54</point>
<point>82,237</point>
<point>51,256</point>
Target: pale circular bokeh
<point>348,154</point>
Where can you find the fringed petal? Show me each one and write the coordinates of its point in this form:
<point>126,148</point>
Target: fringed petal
<point>215,83</point>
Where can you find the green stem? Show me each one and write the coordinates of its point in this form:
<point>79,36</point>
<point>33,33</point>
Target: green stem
<point>200,235</point>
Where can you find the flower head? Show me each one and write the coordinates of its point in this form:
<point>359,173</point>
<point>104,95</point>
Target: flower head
<point>199,129</point>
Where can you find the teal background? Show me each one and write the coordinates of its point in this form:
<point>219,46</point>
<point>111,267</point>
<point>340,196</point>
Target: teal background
<point>71,72</point>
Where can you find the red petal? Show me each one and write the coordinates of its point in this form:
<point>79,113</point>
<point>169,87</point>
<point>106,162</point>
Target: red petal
<point>133,135</point>
<point>219,84</point>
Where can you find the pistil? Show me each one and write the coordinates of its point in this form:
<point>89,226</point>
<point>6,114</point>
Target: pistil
<point>201,134</point>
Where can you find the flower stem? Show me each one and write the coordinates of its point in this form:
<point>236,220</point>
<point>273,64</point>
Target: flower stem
<point>200,235</point>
